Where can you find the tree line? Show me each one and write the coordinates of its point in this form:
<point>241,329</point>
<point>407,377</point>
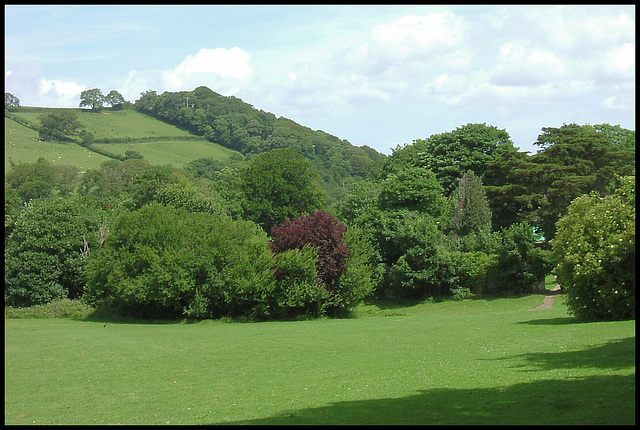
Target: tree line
<point>456,215</point>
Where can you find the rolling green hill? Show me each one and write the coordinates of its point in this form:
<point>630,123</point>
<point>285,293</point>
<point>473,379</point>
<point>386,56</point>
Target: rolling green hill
<point>166,132</point>
<point>114,132</point>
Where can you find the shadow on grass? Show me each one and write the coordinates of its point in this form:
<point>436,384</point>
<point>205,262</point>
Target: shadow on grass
<point>613,355</point>
<point>590,400</point>
<point>554,321</point>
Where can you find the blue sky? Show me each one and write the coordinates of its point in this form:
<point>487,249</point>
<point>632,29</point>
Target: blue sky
<point>381,76</point>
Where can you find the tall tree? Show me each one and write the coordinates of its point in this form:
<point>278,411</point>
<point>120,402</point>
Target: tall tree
<point>471,212</point>
<point>59,125</point>
<point>93,98</point>
<point>576,160</point>
<point>449,155</point>
<point>114,99</point>
<point>278,185</point>
<point>11,102</point>
<point>512,184</point>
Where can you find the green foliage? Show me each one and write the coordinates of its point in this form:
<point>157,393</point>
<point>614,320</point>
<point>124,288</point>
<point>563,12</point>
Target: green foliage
<point>577,160</point>
<point>59,125</point>
<point>595,254</point>
<point>163,262</point>
<point>513,187</point>
<point>145,185</point>
<point>297,291</point>
<point>187,196</point>
<point>471,212</point>
<point>279,185</point>
<point>60,308</point>
<point>413,188</point>
<point>115,100</point>
<point>32,180</point>
<point>11,102</point>
<point>416,252</point>
<point>362,275</point>
<point>449,155</point>
<point>46,251</point>
<point>132,154</point>
<point>93,98</point>
<point>205,167</point>
<point>521,264</point>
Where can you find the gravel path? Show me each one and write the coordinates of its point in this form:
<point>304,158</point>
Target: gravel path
<point>548,300</point>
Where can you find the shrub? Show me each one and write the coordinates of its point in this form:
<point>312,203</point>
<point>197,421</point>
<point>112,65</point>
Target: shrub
<point>321,230</point>
<point>362,275</point>
<point>62,308</point>
<point>520,263</point>
<point>594,249</point>
<point>419,258</point>
<point>344,257</point>
<point>298,291</point>
<point>474,270</point>
<point>46,252</point>
<point>164,262</point>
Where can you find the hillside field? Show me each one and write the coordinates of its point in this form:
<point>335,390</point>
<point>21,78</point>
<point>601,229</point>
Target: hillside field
<point>456,362</point>
<point>163,143</point>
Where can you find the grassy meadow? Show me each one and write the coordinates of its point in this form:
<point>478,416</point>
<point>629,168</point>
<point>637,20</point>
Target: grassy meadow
<point>478,361</point>
<point>163,143</point>
<point>21,146</point>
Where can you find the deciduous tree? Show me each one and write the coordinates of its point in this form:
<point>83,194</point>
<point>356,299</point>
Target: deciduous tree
<point>278,185</point>
<point>93,98</point>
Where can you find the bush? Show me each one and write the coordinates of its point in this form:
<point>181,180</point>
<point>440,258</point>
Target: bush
<point>46,252</point>
<point>343,258</point>
<point>298,291</point>
<point>419,258</point>
<point>594,249</point>
<point>62,308</point>
<point>362,275</point>
<point>521,264</point>
<point>163,262</point>
<point>321,230</point>
<point>474,270</point>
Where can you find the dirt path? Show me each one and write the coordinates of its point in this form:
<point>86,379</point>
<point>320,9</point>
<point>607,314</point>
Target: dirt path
<point>548,300</point>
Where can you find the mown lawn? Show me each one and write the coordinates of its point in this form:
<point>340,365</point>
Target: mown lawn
<point>469,362</point>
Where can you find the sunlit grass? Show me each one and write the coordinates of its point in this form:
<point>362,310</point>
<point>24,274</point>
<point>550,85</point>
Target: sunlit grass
<point>23,146</point>
<point>467,362</point>
<point>174,152</point>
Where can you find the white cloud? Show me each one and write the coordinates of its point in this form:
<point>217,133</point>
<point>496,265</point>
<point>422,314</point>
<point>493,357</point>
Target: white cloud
<point>210,64</point>
<point>619,63</point>
<point>222,70</point>
<point>59,93</point>
<point>520,65</point>
<point>411,32</point>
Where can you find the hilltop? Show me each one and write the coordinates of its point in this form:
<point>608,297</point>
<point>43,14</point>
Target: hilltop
<point>167,131</point>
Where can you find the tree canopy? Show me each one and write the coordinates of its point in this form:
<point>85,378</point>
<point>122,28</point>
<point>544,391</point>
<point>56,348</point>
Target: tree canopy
<point>278,185</point>
<point>92,98</point>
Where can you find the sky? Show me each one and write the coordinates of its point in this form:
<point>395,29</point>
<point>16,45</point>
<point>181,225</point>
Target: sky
<point>377,75</point>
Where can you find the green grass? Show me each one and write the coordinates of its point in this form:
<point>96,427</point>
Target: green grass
<point>174,152</point>
<point>115,124</point>
<point>468,362</point>
<point>22,146</point>
<point>173,146</point>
